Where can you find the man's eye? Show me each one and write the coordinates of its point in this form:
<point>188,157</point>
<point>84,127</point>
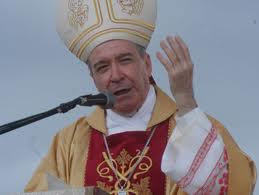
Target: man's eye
<point>126,60</point>
<point>101,68</point>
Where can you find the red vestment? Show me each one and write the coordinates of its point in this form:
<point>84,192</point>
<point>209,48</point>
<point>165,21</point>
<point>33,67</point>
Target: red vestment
<point>125,150</point>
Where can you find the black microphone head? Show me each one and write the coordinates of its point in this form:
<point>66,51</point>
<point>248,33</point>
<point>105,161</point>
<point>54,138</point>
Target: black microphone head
<point>110,100</point>
<point>106,100</point>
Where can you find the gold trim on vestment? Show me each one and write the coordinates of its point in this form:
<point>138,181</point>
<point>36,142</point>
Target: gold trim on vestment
<point>167,179</point>
<point>137,157</point>
<point>87,152</point>
<point>98,11</point>
<point>126,21</point>
<point>107,31</point>
<point>121,163</point>
<point>170,127</point>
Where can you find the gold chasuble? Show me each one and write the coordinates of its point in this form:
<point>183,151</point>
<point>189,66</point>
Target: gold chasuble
<point>79,157</point>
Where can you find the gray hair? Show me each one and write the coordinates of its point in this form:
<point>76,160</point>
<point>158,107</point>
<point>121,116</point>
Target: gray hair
<point>141,50</point>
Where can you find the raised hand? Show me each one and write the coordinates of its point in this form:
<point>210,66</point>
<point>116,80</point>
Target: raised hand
<point>179,67</point>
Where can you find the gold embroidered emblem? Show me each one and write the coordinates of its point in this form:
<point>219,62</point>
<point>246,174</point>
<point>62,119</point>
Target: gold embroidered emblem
<point>78,13</point>
<point>142,187</point>
<point>132,6</point>
<point>124,164</point>
<point>103,186</point>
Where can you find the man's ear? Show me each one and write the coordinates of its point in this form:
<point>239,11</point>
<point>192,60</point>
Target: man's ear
<point>148,64</point>
<point>89,68</point>
<point>93,79</point>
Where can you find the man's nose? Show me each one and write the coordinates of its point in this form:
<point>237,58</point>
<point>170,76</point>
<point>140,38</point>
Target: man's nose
<point>116,74</point>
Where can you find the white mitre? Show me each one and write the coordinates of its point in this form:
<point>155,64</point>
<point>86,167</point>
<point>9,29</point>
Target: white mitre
<point>84,24</point>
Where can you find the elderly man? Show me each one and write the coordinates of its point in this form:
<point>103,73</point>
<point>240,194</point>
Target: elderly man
<point>147,143</point>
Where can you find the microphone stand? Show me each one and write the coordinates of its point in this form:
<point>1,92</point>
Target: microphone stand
<point>63,108</point>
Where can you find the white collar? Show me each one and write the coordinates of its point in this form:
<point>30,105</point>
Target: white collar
<point>117,124</point>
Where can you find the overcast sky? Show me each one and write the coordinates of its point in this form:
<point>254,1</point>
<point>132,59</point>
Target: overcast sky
<point>38,73</point>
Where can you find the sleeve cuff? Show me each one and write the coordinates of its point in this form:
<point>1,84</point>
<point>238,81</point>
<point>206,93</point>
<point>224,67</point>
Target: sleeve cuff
<point>197,116</point>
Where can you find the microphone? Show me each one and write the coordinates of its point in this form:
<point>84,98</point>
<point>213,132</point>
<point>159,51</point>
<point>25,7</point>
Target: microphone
<point>106,100</point>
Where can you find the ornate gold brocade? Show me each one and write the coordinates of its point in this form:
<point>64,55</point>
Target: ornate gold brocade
<point>115,19</point>
<point>99,23</point>
<point>131,6</point>
<point>124,164</point>
<point>78,13</point>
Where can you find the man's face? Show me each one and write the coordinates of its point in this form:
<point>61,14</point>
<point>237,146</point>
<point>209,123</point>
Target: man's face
<point>117,66</point>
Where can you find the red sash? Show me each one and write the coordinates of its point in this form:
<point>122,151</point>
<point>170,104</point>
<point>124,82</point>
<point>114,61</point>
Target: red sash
<point>125,150</point>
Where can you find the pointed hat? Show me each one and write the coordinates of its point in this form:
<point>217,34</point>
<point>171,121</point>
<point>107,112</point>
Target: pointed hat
<point>84,24</point>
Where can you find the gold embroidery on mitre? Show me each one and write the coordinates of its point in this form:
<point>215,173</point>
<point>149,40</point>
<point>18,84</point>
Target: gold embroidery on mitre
<point>78,13</point>
<point>123,165</point>
<point>115,19</point>
<point>131,6</point>
<point>97,9</point>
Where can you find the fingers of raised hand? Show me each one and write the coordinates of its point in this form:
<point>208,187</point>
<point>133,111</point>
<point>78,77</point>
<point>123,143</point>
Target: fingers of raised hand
<point>184,49</point>
<point>169,52</point>
<point>176,48</point>
<point>167,64</point>
<point>177,53</point>
<point>177,61</point>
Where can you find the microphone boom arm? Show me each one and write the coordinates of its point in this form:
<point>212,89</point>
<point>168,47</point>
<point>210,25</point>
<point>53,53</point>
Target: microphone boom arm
<point>63,108</point>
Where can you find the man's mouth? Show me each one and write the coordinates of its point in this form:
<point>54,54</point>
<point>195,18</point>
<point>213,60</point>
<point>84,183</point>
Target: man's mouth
<point>121,92</point>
